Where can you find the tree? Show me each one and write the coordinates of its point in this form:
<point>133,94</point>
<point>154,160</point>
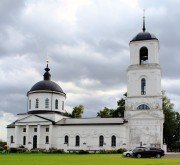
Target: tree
<point>105,113</point>
<point>77,111</point>
<point>170,122</point>
<point>177,131</point>
<point>118,112</point>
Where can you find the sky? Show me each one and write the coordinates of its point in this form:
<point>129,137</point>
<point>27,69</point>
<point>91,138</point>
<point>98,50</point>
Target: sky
<point>87,42</point>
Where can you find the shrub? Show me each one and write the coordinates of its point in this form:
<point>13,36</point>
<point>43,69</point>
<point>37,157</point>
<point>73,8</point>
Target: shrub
<point>17,150</point>
<point>102,152</point>
<point>13,150</point>
<point>108,152</point>
<point>38,150</point>
<point>121,150</point>
<point>21,150</point>
<point>1,149</point>
<point>58,151</point>
<point>2,144</point>
<point>83,152</point>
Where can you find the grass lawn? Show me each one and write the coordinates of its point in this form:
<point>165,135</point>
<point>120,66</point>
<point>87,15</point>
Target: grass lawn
<point>76,159</point>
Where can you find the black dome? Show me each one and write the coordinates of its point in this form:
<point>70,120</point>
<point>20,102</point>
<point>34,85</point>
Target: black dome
<point>144,36</point>
<point>46,85</point>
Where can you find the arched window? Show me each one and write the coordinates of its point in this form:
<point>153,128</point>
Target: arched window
<point>12,140</point>
<point>24,140</point>
<point>47,139</point>
<point>143,58</point>
<point>56,104</point>
<point>29,104</point>
<point>101,141</point>
<point>46,103</point>
<point>66,140</point>
<point>77,141</point>
<point>62,105</point>
<point>113,141</point>
<point>143,86</point>
<point>142,107</point>
<point>37,103</point>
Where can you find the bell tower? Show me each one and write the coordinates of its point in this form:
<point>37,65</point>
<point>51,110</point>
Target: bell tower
<point>144,98</point>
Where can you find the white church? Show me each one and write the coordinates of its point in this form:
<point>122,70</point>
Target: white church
<point>45,126</point>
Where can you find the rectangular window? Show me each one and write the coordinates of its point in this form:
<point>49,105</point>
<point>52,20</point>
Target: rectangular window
<point>47,103</point>
<point>12,141</point>
<point>62,105</point>
<point>113,141</point>
<point>29,104</point>
<point>24,140</point>
<point>101,141</point>
<point>35,129</point>
<point>56,104</point>
<point>47,129</point>
<point>66,140</point>
<point>24,129</point>
<point>37,103</point>
<point>77,141</point>
<point>47,139</point>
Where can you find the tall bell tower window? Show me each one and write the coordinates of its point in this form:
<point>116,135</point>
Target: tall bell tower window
<point>143,57</point>
<point>143,86</point>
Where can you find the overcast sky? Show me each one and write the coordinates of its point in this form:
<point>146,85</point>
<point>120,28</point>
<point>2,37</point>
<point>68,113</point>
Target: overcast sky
<point>87,42</point>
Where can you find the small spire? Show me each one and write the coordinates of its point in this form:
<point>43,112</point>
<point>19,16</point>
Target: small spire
<point>47,59</point>
<point>144,28</point>
<point>47,75</point>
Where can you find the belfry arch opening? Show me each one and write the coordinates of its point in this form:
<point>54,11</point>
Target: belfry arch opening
<point>143,55</point>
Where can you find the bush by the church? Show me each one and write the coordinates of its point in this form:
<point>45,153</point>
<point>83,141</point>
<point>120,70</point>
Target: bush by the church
<point>83,152</point>
<point>17,150</point>
<point>108,152</point>
<point>1,149</point>
<point>54,150</point>
<point>121,150</point>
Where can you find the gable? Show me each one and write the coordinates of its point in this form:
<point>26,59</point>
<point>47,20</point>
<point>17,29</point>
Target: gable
<point>33,119</point>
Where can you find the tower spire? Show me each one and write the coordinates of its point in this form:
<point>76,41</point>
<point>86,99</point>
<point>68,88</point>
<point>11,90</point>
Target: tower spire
<point>144,28</point>
<point>47,59</point>
<point>47,75</point>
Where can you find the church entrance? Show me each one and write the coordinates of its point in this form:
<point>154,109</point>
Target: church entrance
<point>35,141</point>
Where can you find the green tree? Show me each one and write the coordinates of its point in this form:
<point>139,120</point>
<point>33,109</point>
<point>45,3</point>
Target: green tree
<point>118,112</point>
<point>177,131</point>
<point>105,113</point>
<point>77,111</point>
<point>170,122</point>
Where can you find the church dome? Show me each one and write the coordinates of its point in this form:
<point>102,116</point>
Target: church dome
<point>144,36</point>
<point>46,84</point>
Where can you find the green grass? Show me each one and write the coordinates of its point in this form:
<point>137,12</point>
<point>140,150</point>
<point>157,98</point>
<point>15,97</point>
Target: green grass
<point>76,159</point>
